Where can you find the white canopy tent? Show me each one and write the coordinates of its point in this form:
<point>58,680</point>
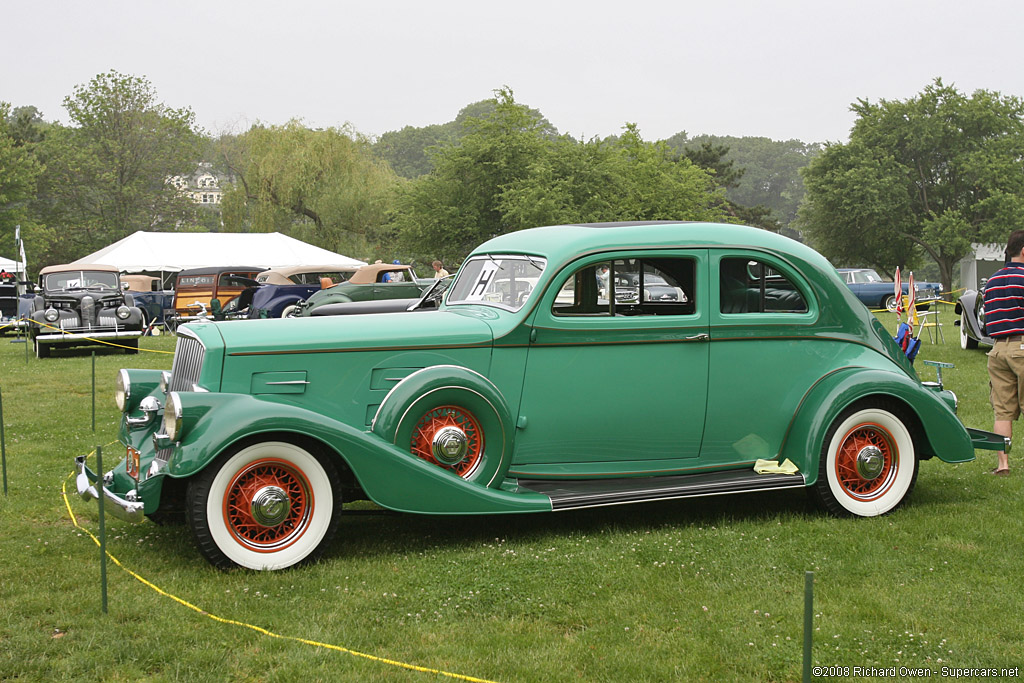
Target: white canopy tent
<point>9,265</point>
<point>169,252</point>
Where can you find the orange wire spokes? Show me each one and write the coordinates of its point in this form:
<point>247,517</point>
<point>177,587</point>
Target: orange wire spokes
<point>849,478</point>
<point>243,490</point>
<point>448,416</point>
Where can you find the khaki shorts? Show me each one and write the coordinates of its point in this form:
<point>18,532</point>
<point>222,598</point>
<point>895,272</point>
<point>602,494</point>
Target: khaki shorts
<point>1006,378</point>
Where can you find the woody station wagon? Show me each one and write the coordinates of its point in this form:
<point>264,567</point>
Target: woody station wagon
<point>531,389</point>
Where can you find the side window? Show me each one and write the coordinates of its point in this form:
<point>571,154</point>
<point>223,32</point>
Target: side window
<point>633,286</point>
<point>750,286</point>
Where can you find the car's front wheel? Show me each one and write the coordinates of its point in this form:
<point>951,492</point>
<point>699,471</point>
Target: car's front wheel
<point>966,340</point>
<point>868,463</point>
<point>42,350</point>
<point>268,505</point>
<point>889,302</point>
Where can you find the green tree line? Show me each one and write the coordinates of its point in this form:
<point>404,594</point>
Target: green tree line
<point>918,181</point>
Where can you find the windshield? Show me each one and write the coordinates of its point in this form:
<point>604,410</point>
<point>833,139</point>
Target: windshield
<point>500,281</point>
<point>81,279</point>
<point>866,276</point>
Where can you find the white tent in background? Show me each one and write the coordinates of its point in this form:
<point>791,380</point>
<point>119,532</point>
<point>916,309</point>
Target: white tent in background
<point>9,265</point>
<point>169,252</point>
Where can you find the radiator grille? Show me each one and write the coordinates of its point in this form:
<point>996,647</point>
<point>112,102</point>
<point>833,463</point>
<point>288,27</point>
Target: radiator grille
<point>188,362</point>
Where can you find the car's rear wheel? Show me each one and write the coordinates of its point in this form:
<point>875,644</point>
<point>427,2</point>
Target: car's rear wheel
<point>268,505</point>
<point>966,340</point>
<point>889,302</point>
<point>868,463</point>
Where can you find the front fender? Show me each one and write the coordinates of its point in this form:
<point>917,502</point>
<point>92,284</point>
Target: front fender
<point>937,431</point>
<point>391,476</point>
<point>967,307</point>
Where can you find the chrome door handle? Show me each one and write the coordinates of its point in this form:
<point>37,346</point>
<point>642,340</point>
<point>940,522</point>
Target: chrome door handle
<point>703,336</point>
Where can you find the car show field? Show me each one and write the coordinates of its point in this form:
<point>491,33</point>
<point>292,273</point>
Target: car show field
<point>708,588</point>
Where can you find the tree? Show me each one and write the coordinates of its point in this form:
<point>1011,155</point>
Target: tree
<point>19,170</point>
<point>769,183</point>
<point>927,176</point>
<point>509,172</point>
<point>411,150</point>
<point>106,174</point>
<point>457,206</point>
<point>323,186</point>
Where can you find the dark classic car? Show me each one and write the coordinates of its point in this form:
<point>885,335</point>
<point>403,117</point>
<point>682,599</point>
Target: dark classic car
<point>281,288</point>
<point>155,302</point>
<point>972,319</point>
<point>876,293</point>
<point>369,283</point>
<point>262,430</point>
<point>8,306</point>
<point>79,305</point>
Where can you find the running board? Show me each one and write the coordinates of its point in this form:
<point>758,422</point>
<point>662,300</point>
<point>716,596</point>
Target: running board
<point>570,494</point>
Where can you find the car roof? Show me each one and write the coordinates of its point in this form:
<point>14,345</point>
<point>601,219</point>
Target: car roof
<point>368,273</point>
<point>561,243</point>
<point>72,267</point>
<point>280,276</point>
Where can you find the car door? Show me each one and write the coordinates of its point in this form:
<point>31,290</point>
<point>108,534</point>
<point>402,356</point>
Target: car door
<point>615,383</point>
<point>764,355</point>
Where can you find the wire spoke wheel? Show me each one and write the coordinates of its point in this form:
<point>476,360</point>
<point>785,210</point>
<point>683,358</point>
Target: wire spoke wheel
<point>865,466</point>
<point>268,505</point>
<point>449,436</point>
<point>868,464</point>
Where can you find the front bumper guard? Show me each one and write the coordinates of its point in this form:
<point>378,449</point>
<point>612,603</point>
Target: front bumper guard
<point>89,335</point>
<point>989,441</point>
<point>123,508</point>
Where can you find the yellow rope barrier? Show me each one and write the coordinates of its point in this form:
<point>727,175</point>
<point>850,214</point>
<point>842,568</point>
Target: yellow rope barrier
<point>257,629</point>
<point>100,341</point>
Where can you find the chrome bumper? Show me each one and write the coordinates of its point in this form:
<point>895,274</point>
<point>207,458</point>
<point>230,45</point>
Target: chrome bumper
<point>88,335</point>
<point>122,508</point>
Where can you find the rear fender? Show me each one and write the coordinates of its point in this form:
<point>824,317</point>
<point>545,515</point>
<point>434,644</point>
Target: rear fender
<point>935,427</point>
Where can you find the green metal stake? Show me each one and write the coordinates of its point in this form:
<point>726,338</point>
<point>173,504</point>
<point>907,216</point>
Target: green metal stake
<point>3,441</point>
<point>94,392</point>
<point>103,528</point>
<point>808,622</point>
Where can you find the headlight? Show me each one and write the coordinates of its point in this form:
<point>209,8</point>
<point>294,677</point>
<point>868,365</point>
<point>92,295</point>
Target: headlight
<point>172,416</point>
<point>51,315</point>
<point>123,312</point>
<point>165,381</point>
<point>122,390</point>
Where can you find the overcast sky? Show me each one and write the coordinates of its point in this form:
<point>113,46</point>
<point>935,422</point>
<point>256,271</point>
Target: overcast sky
<point>781,69</point>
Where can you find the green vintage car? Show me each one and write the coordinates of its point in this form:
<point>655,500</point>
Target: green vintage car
<point>532,390</point>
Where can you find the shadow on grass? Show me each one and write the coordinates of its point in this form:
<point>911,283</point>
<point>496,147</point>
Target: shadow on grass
<point>379,535</point>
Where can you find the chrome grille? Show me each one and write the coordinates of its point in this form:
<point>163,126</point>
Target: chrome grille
<point>188,362</point>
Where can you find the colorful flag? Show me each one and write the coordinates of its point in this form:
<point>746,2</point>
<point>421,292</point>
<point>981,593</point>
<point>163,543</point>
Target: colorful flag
<point>898,292</point>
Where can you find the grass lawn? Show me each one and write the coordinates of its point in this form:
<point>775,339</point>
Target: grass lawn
<point>704,589</point>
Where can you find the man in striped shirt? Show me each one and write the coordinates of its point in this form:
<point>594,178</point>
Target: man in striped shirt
<point>1004,322</point>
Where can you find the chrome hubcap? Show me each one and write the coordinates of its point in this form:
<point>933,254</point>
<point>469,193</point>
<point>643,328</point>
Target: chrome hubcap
<point>870,462</point>
<point>450,446</point>
<point>270,506</point>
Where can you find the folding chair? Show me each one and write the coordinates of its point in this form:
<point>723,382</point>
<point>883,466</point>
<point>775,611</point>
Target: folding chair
<point>930,321</point>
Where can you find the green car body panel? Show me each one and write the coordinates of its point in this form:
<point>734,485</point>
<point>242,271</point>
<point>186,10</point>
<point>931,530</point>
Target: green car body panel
<point>686,390</point>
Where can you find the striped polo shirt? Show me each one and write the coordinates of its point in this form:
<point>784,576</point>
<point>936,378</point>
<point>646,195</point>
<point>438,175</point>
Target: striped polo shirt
<point>1004,302</point>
